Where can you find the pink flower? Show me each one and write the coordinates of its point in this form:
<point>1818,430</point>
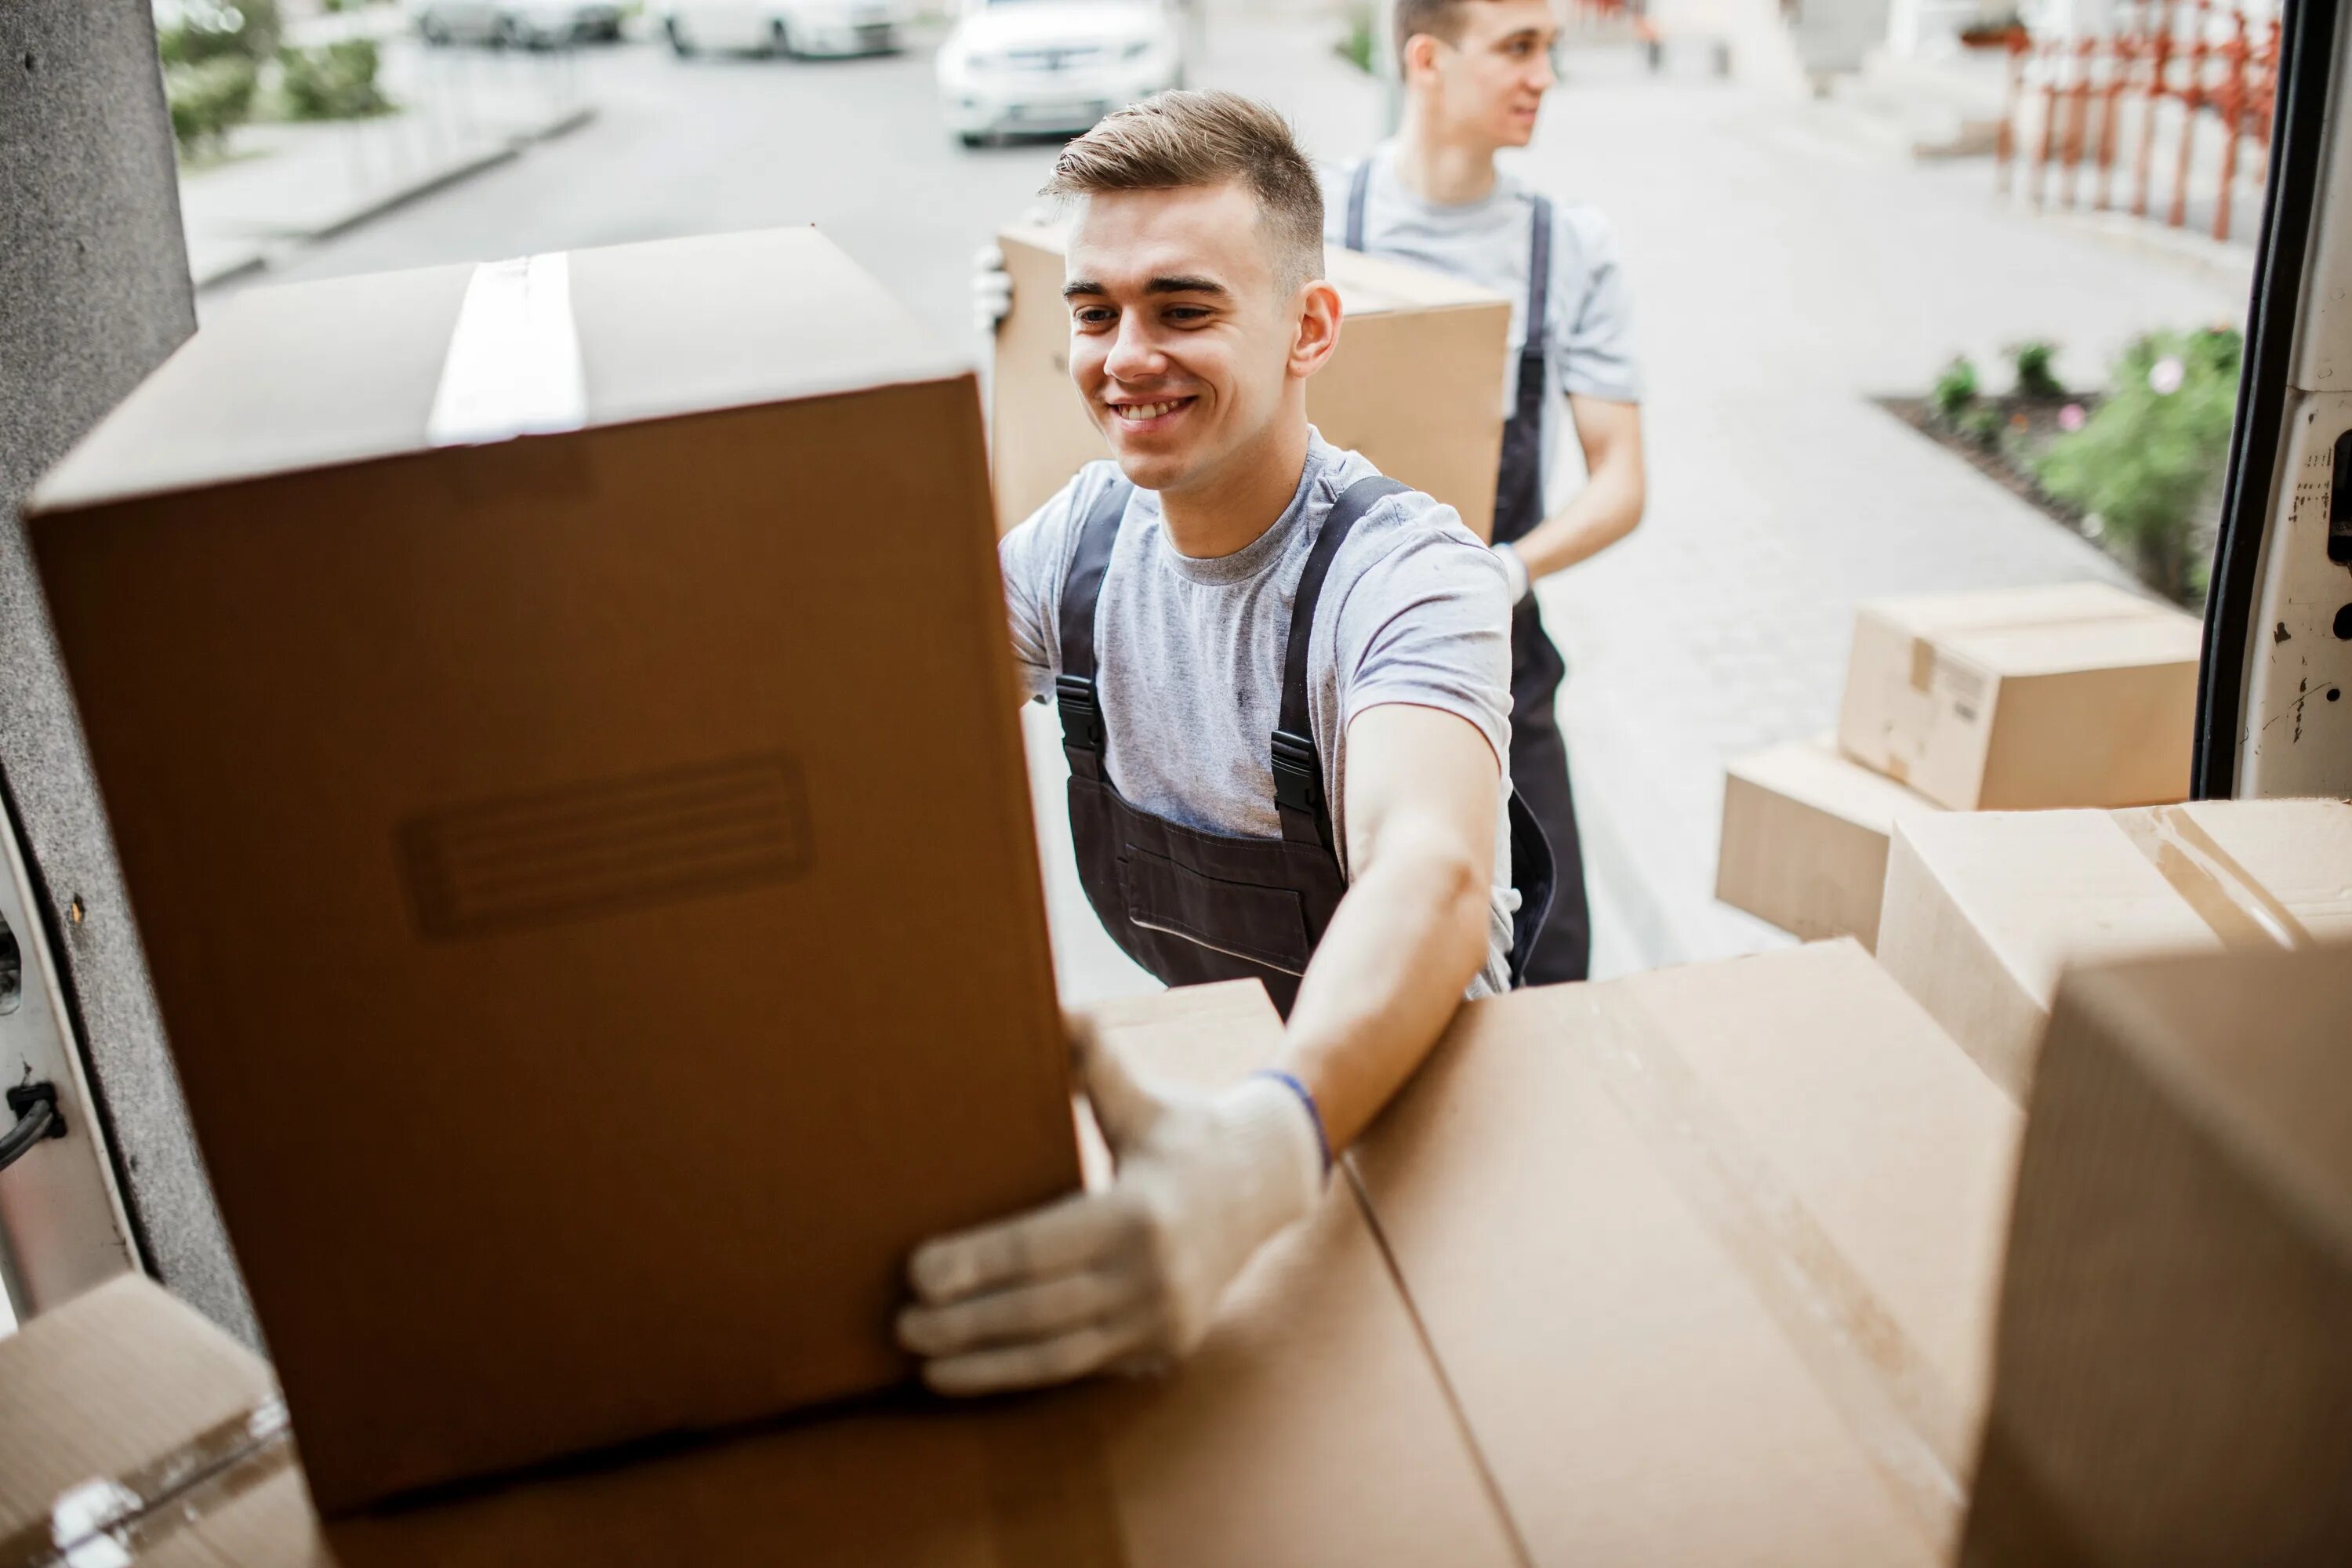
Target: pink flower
<point>2070,418</point>
<point>2165,377</point>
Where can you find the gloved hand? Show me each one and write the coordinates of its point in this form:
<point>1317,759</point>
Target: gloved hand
<point>1129,1278</point>
<point>1517,571</point>
<point>992,289</point>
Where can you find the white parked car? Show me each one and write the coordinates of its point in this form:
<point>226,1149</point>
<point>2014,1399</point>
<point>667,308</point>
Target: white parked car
<point>1057,65</point>
<point>532,24</point>
<point>797,27</point>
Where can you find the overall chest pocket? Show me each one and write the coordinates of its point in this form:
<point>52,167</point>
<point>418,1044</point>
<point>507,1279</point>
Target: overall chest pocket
<point>1265,925</point>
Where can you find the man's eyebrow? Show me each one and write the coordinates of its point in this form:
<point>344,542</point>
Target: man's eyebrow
<point>1083,287</point>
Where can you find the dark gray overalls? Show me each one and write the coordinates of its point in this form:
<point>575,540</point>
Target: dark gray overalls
<point>1193,906</point>
<point>1563,948</point>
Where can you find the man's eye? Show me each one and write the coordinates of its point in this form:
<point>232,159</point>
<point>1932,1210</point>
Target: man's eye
<point>1094,315</point>
<point>1187,313</point>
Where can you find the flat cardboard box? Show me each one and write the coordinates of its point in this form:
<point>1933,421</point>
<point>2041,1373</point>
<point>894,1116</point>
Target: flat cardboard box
<point>1417,384</point>
<point>2173,1381</point>
<point>2025,698</point>
<point>1708,1257</point>
<point>1310,1429</point>
<point>1984,912</point>
<point>528,838</point>
<point>1804,840</point>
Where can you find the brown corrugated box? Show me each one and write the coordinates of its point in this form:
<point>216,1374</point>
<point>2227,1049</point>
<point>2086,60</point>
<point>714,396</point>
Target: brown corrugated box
<point>2173,1379</point>
<point>1310,1429</point>
<point>1417,384</point>
<point>1804,838</point>
<point>528,838</point>
<point>1983,912</point>
<point>1708,1257</point>
<point>2072,695</point>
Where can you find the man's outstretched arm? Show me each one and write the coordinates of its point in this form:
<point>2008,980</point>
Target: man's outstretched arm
<point>1131,1275</point>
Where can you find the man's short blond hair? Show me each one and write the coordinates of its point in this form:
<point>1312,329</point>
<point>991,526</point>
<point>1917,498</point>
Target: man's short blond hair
<point>1177,141</point>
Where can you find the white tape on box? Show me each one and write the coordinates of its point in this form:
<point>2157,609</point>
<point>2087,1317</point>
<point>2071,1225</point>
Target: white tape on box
<point>513,364</point>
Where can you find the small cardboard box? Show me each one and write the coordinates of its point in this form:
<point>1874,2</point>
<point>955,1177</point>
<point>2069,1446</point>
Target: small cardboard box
<point>1804,840</point>
<point>1310,1429</point>
<point>530,835</point>
<point>1417,384</point>
<point>2173,1380</point>
<point>1983,912</point>
<point>1708,1257</point>
<point>2023,699</point>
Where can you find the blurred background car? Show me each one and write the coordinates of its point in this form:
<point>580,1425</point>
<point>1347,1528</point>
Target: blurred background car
<point>800,29</point>
<point>1038,67</point>
<point>526,24</point>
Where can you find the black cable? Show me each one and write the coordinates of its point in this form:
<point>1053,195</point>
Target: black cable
<point>36,1117</point>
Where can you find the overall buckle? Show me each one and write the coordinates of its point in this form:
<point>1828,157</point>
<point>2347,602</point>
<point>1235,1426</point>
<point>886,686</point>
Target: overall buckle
<point>1082,717</point>
<point>1297,775</point>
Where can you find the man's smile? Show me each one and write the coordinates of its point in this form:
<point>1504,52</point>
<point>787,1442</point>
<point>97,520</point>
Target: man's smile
<point>1137,413</point>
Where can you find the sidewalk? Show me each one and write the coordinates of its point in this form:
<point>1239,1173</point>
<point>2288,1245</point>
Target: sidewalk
<point>1777,283</point>
<point>462,110</point>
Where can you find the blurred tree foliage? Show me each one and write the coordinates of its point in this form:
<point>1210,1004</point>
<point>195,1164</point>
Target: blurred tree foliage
<point>2035,377</point>
<point>2147,463</point>
<point>212,56</point>
<point>1360,47</point>
<point>333,82</point>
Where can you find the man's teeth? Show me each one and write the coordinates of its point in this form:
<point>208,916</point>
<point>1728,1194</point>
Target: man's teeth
<point>1148,410</point>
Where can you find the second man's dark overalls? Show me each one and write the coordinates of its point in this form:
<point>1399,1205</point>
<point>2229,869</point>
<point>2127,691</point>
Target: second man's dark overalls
<point>1193,906</point>
<point>1563,949</point>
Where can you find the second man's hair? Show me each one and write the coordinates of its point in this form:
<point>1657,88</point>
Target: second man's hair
<point>1175,141</point>
<point>1438,18</point>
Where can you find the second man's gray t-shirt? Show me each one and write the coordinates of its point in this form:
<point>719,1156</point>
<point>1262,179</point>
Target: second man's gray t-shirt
<point>1589,340</point>
<point>1189,651</point>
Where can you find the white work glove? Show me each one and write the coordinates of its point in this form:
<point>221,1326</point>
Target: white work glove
<point>1127,1279</point>
<point>992,289</point>
<point>1516,570</point>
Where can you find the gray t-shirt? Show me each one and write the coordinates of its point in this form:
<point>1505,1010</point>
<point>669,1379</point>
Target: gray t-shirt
<point>1487,242</point>
<point>1188,651</point>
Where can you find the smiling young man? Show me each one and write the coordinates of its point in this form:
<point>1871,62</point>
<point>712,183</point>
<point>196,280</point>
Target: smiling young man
<point>1284,686</point>
<point>1475,72</point>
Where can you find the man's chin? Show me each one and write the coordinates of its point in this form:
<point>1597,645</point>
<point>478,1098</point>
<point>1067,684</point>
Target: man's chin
<point>1151,470</point>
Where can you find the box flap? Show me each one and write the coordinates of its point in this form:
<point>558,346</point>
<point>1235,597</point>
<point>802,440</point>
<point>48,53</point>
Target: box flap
<point>1815,773</point>
<point>310,376</point>
<point>2064,647</point>
<point>1717,1243</point>
<point>2039,605</point>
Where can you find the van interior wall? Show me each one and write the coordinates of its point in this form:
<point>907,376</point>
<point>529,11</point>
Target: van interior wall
<point>94,293</point>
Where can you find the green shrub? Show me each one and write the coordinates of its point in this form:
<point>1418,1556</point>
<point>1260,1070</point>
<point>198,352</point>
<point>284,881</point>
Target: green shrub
<point>2148,464</point>
<point>1981,422</point>
<point>1360,47</point>
<point>208,99</point>
<point>1954,390</point>
<point>2034,377</point>
<point>336,82</point>
<point>202,30</point>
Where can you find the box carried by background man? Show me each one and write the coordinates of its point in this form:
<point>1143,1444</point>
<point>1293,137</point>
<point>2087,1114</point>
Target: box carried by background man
<point>1416,384</point>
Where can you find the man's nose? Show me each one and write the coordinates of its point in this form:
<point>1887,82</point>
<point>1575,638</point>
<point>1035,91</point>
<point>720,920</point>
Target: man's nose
<point>1134,356</point>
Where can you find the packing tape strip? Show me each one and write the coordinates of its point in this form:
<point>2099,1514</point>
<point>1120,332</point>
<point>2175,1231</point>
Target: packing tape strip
<point>2227,897</point>
<point>1893,1401</point>
<point>512,367</point>
<point>103,1523</point>
<point>1050,1499</point>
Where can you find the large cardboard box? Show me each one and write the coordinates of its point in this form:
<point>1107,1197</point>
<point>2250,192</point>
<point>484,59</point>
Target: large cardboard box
<point>1984,912</point>
<point>530,838</point>
<point>1804,840</point>
<point>2173,1380</point>
<point>1311,1428</point>
<point>1708,1257</point>
<point>2016,699</point>
<point>1417,384</point>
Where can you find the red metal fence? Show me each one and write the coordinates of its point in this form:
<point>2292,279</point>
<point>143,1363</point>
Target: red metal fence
<point>2185,71</point>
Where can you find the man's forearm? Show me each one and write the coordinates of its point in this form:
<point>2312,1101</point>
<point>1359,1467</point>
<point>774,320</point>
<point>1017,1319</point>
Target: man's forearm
<point>1385,980</point>
<point>1604,511</point>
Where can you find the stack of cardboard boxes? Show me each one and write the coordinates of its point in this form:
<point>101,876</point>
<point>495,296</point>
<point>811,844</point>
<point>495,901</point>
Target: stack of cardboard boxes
<point>2016,699</point>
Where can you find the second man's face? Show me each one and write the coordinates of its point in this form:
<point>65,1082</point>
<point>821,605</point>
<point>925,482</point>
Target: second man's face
<point>1496,77</point>
<point>1181,334</point>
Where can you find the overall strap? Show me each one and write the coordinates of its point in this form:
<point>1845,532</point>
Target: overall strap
<point>1298,794</point>
<point>1084,735</point>
<point>1539,277</point>
<point>1358,188</point>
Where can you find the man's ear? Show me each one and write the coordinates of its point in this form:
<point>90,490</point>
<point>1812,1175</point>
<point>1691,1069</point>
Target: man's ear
<point>1318,331</point>
<point>1419,56</point>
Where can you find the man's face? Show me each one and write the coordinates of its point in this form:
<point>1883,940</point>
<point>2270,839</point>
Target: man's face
<point>1491,81</point>
<point>1181,330</point>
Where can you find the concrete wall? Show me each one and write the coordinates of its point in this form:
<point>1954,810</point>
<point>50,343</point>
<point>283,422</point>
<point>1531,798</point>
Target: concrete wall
<point>93,294</point>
